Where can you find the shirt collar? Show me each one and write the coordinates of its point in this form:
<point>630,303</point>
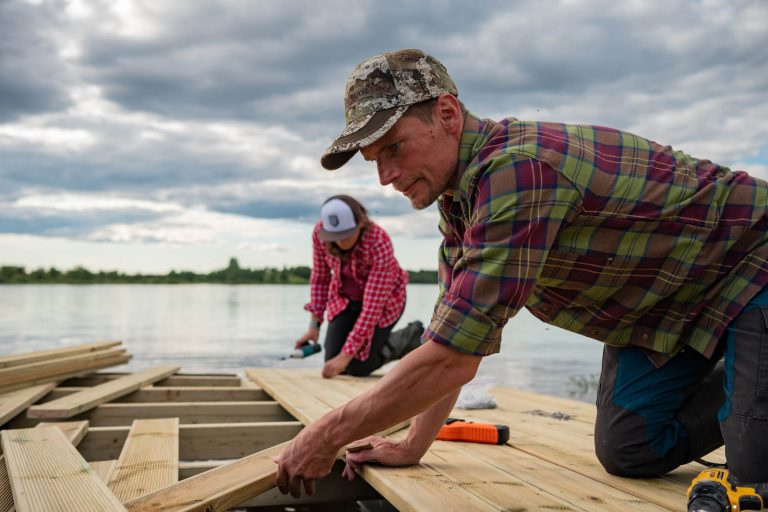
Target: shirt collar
<point>473,136</point>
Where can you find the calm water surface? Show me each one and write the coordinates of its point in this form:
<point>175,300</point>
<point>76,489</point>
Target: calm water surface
<point>219,328</point>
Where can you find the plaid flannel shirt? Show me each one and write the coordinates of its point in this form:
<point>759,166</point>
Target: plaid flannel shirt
<point>599,232</point>
<point>375,269</point>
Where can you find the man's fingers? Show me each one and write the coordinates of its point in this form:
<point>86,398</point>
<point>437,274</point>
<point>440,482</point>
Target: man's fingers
<point>349,471</point>
<point>282,479</point>
<point>360,457</point>
<point>309,486</point>
<point>294,487</point>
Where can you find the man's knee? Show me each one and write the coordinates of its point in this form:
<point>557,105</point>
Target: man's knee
<point>614,456</point>
<point>636,460</point>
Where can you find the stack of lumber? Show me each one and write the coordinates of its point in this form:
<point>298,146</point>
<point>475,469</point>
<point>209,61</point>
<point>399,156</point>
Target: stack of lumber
<point>24,370</point>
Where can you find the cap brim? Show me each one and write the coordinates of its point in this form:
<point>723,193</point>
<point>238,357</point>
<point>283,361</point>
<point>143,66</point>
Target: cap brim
<point>348,144</point>
<point>331,236</point>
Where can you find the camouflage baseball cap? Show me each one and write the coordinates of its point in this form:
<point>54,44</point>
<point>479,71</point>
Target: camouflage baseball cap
<point>378,92</point>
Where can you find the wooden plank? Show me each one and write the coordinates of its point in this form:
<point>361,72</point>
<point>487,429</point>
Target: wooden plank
<point>149,460</point>
<point>6,494</point>
<point>14,402</point>
<point>180,379</point>
<point>115,414</point>
<point>218,489</point>
<point>176,394</point>
<point>73,430</point>
<point>47,473</point>
<point>65,371</point>
<point>39,369</point>
<point>85,400</point>
<point>206,441</point>
<point>42,355</point>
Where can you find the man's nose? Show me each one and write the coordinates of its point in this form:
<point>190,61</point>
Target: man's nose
<point>387,172</point>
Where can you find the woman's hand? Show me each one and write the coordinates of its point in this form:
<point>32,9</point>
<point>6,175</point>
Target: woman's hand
<point>336,365</point>
<point>312,334</point>
<point>384,451</point>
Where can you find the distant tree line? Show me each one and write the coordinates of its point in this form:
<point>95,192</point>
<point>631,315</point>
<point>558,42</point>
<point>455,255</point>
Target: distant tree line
<point>232,274</point>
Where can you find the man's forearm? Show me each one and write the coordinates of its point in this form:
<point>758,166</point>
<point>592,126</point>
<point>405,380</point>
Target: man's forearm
<point>426,425</point>
<point>426,376</point>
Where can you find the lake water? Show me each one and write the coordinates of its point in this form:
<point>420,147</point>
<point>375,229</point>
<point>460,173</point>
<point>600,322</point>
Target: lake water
<point>220,328</point>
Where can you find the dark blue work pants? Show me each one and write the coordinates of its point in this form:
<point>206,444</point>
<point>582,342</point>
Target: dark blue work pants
<point>651,420</point>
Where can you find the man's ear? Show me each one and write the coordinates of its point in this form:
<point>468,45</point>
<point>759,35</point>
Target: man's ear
<point>448,112</point>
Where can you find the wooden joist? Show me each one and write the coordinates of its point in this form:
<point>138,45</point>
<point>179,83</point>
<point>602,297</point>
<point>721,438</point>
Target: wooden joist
<point>116,414</point>
<point>68,406</point>
<point>198,442</point>
<point>180,379</point>
<point>14,402</point>
<point>149,460</point>
<point>43,355</point>
<point>176,394</point>
<point>39,372</point>
<point>216,490</point>
<point>47,473</point>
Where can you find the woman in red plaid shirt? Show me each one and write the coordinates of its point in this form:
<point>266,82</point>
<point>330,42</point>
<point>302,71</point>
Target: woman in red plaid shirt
<point>357,282</point>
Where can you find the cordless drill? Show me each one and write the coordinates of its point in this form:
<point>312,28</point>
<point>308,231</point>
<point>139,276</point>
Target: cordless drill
<point>714,490</point>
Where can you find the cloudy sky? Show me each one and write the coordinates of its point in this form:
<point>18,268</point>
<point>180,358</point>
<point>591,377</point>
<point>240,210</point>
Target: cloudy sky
<point>157,135</point>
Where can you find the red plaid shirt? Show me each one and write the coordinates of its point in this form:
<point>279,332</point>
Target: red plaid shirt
<point>375,269</point>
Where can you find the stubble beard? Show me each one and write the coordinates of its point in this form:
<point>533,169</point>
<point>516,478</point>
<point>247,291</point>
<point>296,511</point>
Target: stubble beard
<point>432,193</point>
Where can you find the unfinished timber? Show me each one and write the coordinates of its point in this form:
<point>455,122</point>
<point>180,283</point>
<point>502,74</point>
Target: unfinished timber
<point>163,440</point>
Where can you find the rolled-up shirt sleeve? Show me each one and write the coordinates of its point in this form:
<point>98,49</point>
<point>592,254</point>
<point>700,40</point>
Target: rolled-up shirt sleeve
<point>488,269</point>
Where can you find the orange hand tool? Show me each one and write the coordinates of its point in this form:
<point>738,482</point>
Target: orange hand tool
<point>460,430</point>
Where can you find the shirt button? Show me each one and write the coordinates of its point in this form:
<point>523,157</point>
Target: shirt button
<point>545,309</point>
<point>644,336</point>
<point>593,331</point>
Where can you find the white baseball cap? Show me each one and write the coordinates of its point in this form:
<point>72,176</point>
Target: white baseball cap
<point>338,221</point>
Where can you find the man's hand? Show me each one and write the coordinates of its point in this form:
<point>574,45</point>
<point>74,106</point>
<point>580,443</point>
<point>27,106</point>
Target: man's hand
<point>307,458</point>
<point>336,365</point>
<point>384,451</point>
<point>312,334</point>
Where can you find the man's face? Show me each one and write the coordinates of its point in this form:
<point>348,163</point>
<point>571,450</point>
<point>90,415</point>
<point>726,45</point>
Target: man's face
<point>418,158</point>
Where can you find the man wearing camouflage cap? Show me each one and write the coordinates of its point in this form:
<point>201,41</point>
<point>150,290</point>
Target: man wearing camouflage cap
<point>661,256</point>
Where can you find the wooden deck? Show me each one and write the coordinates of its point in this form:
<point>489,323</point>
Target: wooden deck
<point>548,464</point>
<point>158,439</point>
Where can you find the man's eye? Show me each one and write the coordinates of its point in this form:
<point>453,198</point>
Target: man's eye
<point>392,148</point>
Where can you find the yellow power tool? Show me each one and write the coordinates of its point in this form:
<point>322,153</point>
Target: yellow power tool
<point>714,490</point>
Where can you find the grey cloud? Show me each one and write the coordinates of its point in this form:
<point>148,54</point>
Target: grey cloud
<point>32,77</point>
<point>76,225</point>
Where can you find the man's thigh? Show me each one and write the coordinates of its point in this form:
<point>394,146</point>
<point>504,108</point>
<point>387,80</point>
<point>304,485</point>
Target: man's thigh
<point>744,415</point>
